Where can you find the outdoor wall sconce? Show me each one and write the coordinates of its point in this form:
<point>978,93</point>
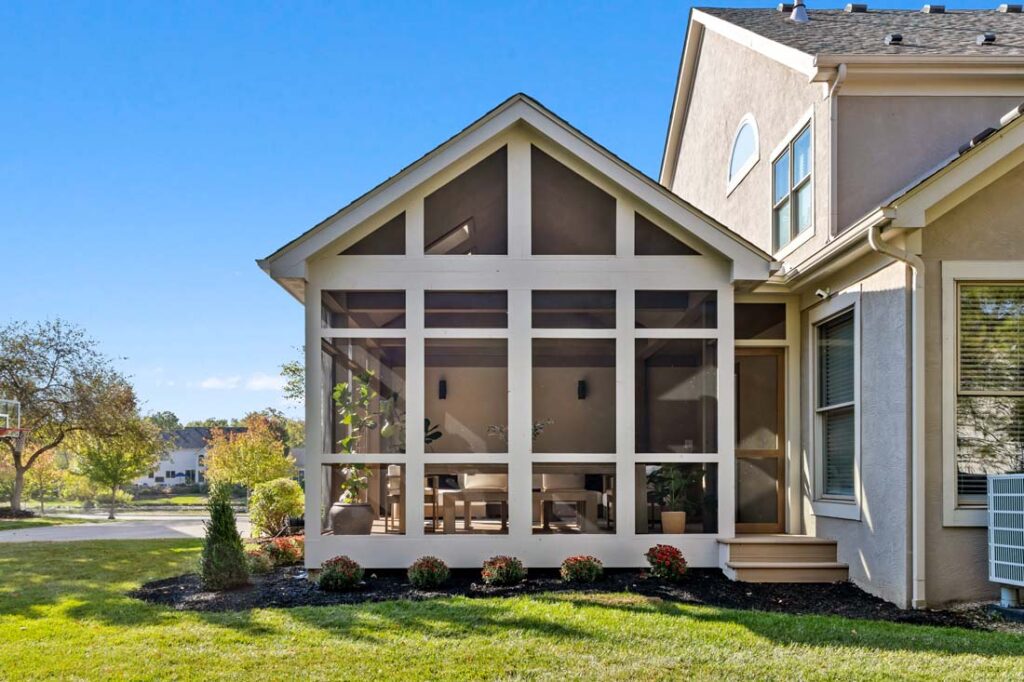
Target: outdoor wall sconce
<point>581,389</point>
<point>442,389</point>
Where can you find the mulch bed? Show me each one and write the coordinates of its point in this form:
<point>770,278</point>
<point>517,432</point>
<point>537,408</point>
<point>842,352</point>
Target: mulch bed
<point>8,514</point>
<point>289,587</point>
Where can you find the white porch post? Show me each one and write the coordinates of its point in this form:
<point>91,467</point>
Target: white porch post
<point>726,414</point>
<point>314,420</point>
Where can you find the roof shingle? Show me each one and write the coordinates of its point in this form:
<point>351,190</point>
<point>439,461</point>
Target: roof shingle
<point>837,32</point>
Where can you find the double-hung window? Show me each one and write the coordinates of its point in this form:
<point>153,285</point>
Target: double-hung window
<point>990,385</point>
<point>791,190</point>
<point>835,406</point>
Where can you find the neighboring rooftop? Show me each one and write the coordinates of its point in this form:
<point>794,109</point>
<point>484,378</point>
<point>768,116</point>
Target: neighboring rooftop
<point>838,32</point>
<point>195,437</point>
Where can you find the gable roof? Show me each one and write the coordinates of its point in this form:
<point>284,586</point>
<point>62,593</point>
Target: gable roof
<point>837,32</point>
<point>287,264</point>
<point>195,437</point>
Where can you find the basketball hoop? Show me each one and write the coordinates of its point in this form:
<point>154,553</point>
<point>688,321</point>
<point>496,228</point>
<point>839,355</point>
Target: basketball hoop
<point>10,418</point>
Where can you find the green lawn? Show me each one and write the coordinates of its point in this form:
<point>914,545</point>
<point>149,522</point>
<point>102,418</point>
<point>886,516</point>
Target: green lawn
<point>170,500</point>
<point>38,521</point>
<point>63,614</point>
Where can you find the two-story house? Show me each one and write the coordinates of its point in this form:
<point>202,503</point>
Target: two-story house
<point>795,357</point>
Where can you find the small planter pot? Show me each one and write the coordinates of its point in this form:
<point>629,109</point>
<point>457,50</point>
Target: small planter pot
<point>673,522</point>
<point>351,519</point>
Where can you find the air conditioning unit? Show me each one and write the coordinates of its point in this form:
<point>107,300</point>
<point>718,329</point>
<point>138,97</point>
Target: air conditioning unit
<point>1006,536</point>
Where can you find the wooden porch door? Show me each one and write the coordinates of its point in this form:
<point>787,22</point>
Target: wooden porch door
<point>760,440</point>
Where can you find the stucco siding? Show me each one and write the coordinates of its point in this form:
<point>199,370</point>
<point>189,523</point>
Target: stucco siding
<point>885,143</point>
<point>875,546</point>
<point>730,82</point>
<point>988,226</point>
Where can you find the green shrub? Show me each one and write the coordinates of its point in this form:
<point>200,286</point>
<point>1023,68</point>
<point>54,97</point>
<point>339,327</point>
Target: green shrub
<point>258,560</point>
<point>503,570</point>
<point>222,563</point>
<point>428,572</point>
<point>286,550</point>
<point>340,574</point>
<point>582,569</point>
<point>666,562</point>
<point>272,503</point>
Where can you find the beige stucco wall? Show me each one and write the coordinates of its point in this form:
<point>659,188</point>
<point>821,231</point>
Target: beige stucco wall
<point>988,226</point>
<point>875,547</point>
<point>731,81</point>
<point>885,143</point>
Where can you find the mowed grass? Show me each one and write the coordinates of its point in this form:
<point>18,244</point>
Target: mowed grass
<point>38,522</point>
<point>170,500</point>
<point>63,614</point>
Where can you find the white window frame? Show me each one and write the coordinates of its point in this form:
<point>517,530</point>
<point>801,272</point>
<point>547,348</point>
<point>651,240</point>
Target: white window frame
<point>733,180</point>
<point>821,504</point>
<point>953,273</point>
<point>806,121</point>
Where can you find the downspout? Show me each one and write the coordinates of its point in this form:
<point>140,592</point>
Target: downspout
<point>917,475</point>
<point>833,150</point>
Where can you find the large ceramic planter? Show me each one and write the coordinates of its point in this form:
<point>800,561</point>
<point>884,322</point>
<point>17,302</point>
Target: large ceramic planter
<point>351,519</point>
<point>673,522</point>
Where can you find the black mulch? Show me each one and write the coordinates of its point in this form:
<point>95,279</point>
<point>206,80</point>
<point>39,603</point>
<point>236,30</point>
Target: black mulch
<point>289,587</point>
<point>8,513</point>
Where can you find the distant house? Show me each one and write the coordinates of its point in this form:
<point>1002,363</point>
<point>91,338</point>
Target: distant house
<point>185,463</point>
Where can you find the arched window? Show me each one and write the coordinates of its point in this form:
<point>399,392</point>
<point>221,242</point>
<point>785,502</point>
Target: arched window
<point>744,151</point>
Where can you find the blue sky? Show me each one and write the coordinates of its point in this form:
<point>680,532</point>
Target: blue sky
<point>152,151</point>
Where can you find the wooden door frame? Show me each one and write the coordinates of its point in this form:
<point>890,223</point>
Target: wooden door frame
<point>779,453</point>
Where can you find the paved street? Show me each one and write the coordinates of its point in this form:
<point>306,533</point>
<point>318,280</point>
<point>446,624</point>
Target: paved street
<point>127,527</point>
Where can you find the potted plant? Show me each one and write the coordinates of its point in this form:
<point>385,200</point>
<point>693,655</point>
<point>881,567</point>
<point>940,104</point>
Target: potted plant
<point>350,515</point>
<point>671,489</point>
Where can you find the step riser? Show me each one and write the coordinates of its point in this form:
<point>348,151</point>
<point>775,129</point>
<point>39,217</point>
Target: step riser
<point>789,575</point>
<point>782,552</point>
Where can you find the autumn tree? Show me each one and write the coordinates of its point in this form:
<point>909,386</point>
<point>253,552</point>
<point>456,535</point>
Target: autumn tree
<point>115,461</point>
<point>45,478</point>
<point>65,386</point>
<point>246,458</point>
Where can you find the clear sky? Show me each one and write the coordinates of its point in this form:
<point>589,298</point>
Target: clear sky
<point>151,151</point>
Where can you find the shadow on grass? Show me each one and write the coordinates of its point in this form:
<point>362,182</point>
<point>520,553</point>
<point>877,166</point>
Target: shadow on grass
<point>811,630</point>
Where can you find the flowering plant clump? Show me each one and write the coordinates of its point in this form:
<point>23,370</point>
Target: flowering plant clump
<point>286,550</point>
<point>427,572</point>
<point>503,570</point>
<point>258,560</point>
<point>582,569</point>
<point>340,574</point>
<point>666,562</point>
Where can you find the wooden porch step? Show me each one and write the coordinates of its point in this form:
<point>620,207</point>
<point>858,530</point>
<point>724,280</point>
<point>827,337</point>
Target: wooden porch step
<point>780,548</point>
<point>787,571</point>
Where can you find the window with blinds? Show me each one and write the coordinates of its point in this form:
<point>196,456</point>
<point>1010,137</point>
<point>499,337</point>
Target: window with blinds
<point>990,386</point>
<point>835,404</point>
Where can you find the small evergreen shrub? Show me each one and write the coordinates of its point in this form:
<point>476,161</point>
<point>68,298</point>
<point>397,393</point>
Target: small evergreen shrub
<point>666,562</point>
<point>258,560</point>
<point>503,570</point>
<point>340,574</point>
<point>286,550</point>
<point>222,564</point>
<point>582,569</point>
<point>428,572</point>
<point>273,503</point>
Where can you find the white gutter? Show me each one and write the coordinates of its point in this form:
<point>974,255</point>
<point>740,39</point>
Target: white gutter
<point>917,486</point>
<point>833,150</point>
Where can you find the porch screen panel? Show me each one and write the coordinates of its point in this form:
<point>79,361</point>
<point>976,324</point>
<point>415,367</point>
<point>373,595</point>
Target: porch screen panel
<point>835,407</point>
<point>990,386</point>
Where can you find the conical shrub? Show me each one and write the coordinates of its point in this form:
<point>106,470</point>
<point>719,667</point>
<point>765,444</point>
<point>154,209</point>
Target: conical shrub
<point>222,564</point>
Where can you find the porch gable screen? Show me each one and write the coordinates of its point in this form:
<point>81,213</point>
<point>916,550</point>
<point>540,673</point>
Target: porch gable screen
<point>836,404</point>
<point>990,386</point>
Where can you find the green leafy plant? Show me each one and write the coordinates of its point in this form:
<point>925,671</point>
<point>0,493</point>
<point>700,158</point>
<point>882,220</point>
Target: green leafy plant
<point>666,562</point>
<point>500,431</point>
<point>428,572</point>
<point>273,503</point>
<point>672,484</point>
<point>340,574</point>
<point>581,569</point>
<point>431,432</point>
<point>503,570</point>
<point>223,563</point>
